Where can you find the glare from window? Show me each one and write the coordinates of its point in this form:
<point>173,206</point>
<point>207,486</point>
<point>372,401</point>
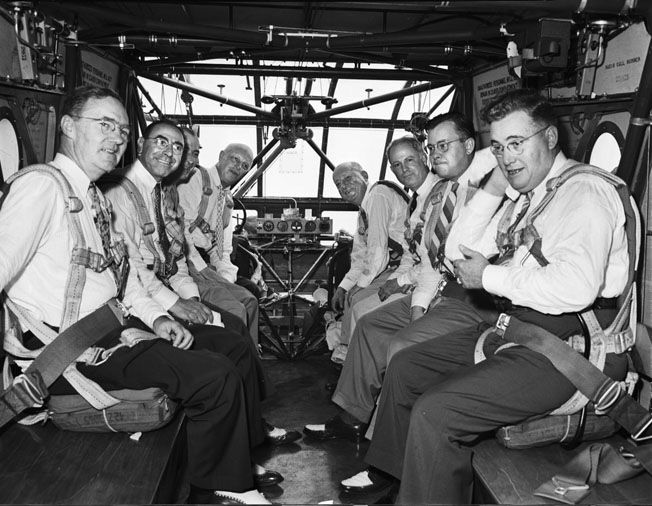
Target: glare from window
<point>606,152</point>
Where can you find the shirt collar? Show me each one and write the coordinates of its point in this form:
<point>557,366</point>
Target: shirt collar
<point>427,185</point>
<point>139,175</point>
<point>78,179</point>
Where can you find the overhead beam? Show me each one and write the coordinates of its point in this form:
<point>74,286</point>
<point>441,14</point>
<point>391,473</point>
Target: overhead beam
<point>205,119</point>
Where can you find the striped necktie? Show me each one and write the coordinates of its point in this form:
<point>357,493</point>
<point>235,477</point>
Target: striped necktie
<point>219,226</point>
<point>438,240</point>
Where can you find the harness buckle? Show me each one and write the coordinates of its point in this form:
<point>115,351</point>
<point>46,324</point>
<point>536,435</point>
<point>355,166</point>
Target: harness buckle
<point>561,487</point>
<point>29,390</point>
<point>502,323</point>
<point>640,434</point>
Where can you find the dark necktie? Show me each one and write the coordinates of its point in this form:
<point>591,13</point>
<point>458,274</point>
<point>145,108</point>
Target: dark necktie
<point>363,222</point>
<point>170,263</point>
<point>508,249</point>
<point>413,202</point>
<point>102,220</point>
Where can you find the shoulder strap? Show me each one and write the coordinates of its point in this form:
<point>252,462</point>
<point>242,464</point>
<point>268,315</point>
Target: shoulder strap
<point>394,187</point>
<point>142,214</point>
<point>77,271</point>
<point>207,190</point>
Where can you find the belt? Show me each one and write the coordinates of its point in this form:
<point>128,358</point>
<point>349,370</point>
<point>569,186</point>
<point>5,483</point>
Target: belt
<point>504,305</point>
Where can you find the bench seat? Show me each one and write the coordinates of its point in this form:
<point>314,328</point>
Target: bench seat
<point>505,476</point>
<point>42,464</point>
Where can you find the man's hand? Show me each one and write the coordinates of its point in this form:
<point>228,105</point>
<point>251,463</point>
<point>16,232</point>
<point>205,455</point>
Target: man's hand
<point>191,311</point>
<point>349,296</point>
<point>337,302</point>
<point>416,312</point>
<point>497,182</point>
<point>469,271</point>
<point>170,330</point>
<point>390,287</point>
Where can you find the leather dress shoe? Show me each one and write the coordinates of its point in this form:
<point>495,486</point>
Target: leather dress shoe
<point>267,478</point>
<point>278,437</point>
<point>367,481</point>
<point>337,428</point>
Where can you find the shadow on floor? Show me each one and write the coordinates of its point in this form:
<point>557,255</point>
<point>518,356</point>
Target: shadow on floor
<point>312,469</point>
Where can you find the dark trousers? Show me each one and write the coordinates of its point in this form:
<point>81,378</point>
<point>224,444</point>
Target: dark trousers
<point>436,402</point>
<point>217,384</point>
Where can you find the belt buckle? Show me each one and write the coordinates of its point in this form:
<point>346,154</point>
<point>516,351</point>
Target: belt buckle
<point>639,436</point>
<point>29,392</point>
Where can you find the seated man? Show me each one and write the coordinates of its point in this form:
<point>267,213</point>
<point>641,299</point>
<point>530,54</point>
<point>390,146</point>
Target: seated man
<point>207,202</point>
<point>158,258</point>
<point>451,144</point>
<point>436,402</point>
<point>377,240</point>
<point>214,380</point>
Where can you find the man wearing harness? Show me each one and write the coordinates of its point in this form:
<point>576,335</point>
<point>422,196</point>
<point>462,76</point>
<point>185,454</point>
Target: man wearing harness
<point>207,203</point>
<point>451,144</point>
<point>436,400</point>
<point>378,240</point>
<point>213,379</point>
<point>159,260</point>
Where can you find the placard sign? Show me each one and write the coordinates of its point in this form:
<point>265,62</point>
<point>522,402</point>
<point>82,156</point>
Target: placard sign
<point>486,86</point>
<point>98,71</point>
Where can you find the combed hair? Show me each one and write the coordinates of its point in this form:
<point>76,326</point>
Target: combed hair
<point>409,140</point>
<point>463,126</point>
<point>76,100</point>
<point>154,124</point>
<point>526,100</point>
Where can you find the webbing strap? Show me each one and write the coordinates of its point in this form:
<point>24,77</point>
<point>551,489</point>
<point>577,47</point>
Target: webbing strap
<point>607,394</point>
<point>76,273</point>
<point>207,190</point>
<point>30,388</point>
<point>597,463</point>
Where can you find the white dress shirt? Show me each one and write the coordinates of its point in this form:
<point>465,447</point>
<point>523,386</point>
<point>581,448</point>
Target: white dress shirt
<point>190,195</point>
<point>583,238</point>
<point>126,222</point>
<point>385,210</point>
<point>36,250</point>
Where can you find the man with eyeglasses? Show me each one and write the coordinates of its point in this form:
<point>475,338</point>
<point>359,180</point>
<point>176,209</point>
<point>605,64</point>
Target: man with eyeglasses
<point>436,400</point>
<point>451,146</point>
<point>207,202</point>
<point>213,379</point>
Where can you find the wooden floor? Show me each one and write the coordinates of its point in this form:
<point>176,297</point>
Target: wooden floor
<point>312,469</point>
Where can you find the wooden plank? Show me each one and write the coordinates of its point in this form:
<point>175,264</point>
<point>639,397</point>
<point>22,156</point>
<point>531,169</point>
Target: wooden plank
<point>42,464</point>
<point>507,476</point>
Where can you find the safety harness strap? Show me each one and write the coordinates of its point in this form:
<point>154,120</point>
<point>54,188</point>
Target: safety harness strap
<point>207,190</point>
<point>30,389</point>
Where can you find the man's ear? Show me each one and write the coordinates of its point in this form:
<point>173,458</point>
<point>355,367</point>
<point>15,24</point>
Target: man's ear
<point>469,145</point>
<point>141,142</point>
<point>552,136</point>
<point>365,175</point>
<point>67,125</point>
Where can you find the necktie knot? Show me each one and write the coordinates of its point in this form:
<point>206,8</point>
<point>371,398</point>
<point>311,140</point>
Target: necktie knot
<point>413,202</point>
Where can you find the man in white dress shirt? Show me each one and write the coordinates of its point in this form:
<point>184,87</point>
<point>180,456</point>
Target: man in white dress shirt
<point>213,379</point>
<point>378,239</point>
<point>436,401</point>
<point>207,203</point>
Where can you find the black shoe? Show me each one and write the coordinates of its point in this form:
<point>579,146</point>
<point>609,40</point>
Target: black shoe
<point>367,481</point>
<point>277,437</point>
<point>337,428</point>
<point>267,479</point>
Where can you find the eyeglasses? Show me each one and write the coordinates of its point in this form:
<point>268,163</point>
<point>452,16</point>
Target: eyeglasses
<point>443,146</point>
<point>108,125</point>
<point>240,163</point>
<point>164,143</point>
<point>515,147</point>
